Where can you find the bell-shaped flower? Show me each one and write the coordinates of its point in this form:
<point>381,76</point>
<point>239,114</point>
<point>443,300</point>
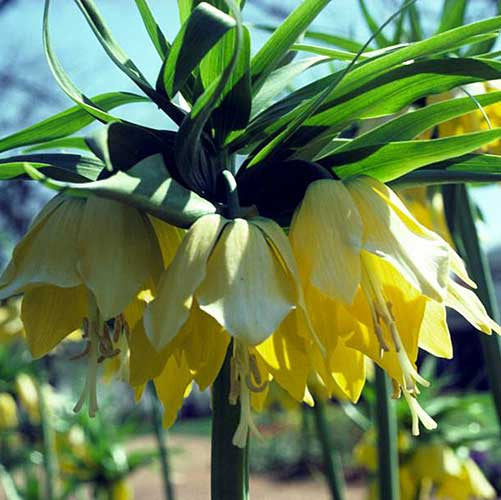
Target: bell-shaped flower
<point>234,279</point>
<point>81,265</point>
<point>385,278</point>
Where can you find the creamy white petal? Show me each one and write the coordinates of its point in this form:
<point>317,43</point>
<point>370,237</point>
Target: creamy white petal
<point>48,252</point>
<point>466,303</point>
<point>390,232</point>
<point>326,237</point>
<point>118,253</point>
<point>166,314</point>
<point>247,291</point>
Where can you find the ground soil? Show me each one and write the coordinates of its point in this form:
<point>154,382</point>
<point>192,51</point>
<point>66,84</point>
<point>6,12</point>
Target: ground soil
<point>191,466</point>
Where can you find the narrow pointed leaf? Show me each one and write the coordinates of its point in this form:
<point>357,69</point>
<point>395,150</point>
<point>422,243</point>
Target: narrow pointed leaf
<point>271,53</point>
<point>155,33</point>
<point>201,31</point>
<point>63,143</point>
<point>68,122</point>
<point>452,16</point>
<point>380,39</point>
<point>67,167</point>
<point>392,160</point>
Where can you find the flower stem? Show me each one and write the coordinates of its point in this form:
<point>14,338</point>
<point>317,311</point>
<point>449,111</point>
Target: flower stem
<point>229,467</point>
<point>48,440</point>
<point>465,234</point>
<point>160,436</point>
<point>386,439</point>
<point>333,468</point>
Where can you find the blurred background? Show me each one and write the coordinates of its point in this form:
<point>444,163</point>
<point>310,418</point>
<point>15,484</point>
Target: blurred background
<point>116,455</point>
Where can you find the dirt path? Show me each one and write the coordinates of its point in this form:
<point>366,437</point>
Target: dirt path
<point>191,466</point>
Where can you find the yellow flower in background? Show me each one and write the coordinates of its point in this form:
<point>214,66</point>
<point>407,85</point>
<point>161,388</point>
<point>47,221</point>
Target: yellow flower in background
<point>27,392</point>
<point>121,490</point>
<point>11,327</point>
<point>80,265</point>
<point>8,412</point>
<point>384,277</point>
<point>234,278</point>
<point>476,120</point>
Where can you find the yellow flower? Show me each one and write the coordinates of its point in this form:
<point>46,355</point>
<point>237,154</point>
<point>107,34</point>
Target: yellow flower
<point>11,327</point>
<point>8,412</point>
<point>385,278</point>
<point>81,264</point>
<point>232,278</point>
<point>28,395</point>
<point>121,490</point>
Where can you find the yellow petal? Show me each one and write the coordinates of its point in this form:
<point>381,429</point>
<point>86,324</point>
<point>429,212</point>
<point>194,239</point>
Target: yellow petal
<point>145,362</point>
<point>392,233</point>
<point>171,386</point>
<point>118,253</point>
<point>348,370</point>
<point>169,311</point>
<point>51,313</point>
<point>326,236</point>
<point>205,347</point>
<point>246,289</point>
<point>466,303</point>
<point>434,335</point>
<point>285,355</point>
<point>169,238</point>
<point>48,252</point>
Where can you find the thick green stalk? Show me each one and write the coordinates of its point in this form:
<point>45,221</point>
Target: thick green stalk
<point>48,443</point>
<point>229,467</point>
<point>387,447</point>
<point>333,468</point>
<point>161,438</point>
<point>478,266</point>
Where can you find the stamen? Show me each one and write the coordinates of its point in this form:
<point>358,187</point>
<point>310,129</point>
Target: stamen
<point>418,415</point>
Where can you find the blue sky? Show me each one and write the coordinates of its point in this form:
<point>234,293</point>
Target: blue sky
<point>93,72</point>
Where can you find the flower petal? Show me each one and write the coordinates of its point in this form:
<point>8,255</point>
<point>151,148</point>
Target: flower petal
<point>434,335</point>
<point>391,233</point>
<point>47,255</point>
<point>326,237</point>
<point>172,385</point>
<point>246,289</point>
<point>169,238</point>
<point>51,313</point>
<point>118,253</point>
<point>466,303</point>
<point>165,315</point>
<point>285,356</point>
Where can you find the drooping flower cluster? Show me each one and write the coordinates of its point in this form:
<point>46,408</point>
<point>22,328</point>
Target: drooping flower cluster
<point>358,276</point>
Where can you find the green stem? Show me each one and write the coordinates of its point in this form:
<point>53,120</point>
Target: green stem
<point>48,441</point>
<point>387,447</point>
<point>333,468</point>
<point>161,438</point>
<point>229,467</point>
<point>466,230</point>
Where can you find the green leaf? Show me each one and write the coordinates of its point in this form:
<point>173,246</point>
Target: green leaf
<point>147,186</point>
<point>188,144</point>
<point>389,161</point>
<point>64,81</point>
<point>336,41</point>
<point>155,33</point>
<point>280,79</point>
<point>340,55</point>
<point>452,16</point>
<point>68,122</point>
<point>472,167</point>
<point>201,31</point>
<point>184,7</point>
<point>410,125</point>
<point>380,39</point>
<point>122,60</point>
<point>415,22</point>
<point>68,167</point>
<point>271,53</point>
<point>233,112</point>
<point>64,143</point>
<point>120,146</point>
